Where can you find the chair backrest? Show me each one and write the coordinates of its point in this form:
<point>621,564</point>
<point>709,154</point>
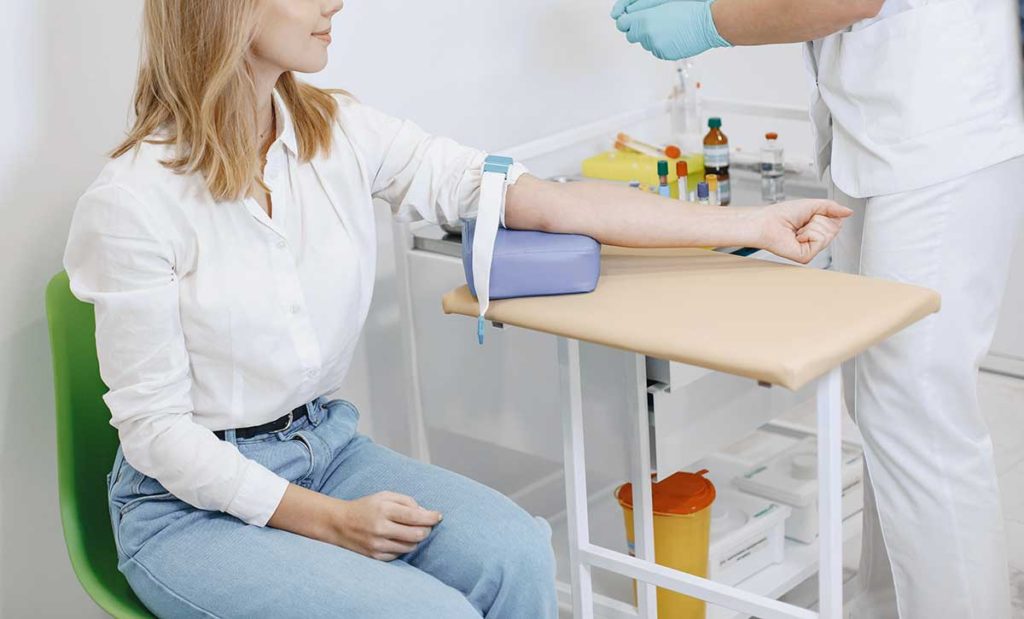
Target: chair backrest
<point>86,444</point>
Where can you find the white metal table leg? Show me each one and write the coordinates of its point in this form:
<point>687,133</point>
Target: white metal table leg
<point>574,461</point>
<point>830,489</point>
<point>643,511</point>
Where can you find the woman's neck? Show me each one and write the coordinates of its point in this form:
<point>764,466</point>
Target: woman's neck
<point>265,79</point>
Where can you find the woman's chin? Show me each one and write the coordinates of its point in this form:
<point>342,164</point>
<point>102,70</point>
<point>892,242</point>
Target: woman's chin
<point>313,64</point>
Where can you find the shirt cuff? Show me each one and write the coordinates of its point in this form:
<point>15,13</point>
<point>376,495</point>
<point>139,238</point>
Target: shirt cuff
<point>514,173</point>
<point>258,495</point>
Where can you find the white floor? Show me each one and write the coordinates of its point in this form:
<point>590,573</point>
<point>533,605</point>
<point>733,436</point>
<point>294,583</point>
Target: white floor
<point>1002,400</point>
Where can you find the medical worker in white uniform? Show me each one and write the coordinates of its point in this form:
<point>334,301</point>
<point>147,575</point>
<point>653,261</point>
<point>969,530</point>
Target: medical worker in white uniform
<point>917,113</point>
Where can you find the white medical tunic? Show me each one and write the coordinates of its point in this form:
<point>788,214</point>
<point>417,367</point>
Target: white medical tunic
<point>922,77</point>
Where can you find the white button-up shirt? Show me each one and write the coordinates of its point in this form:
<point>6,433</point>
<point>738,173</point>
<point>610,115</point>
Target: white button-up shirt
<point>215,315</point>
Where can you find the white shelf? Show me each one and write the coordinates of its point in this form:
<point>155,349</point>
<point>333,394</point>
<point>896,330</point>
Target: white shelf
<point>801,563</point>
<point>613,594</point>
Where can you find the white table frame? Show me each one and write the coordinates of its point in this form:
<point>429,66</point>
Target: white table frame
<point>583,554</point>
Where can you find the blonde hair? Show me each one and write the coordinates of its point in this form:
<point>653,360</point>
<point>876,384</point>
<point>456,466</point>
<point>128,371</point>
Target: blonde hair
<point>195,90</point>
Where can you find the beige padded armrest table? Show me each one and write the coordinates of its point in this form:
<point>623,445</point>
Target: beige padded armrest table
<point>694,306</point>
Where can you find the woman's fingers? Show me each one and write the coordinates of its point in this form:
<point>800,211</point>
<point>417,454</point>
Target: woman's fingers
<point>801,212</point>
<point>393,546</point>
<point>414,516</point>
<point>401,499</point>
<point>405,534</point>
<point>821,225</point>
<point>832,209</point>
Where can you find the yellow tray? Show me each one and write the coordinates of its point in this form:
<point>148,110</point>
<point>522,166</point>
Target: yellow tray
<point>616,165</point>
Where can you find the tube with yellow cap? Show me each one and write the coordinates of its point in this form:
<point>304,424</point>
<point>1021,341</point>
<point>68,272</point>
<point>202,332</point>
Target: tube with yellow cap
<point>716,197</point>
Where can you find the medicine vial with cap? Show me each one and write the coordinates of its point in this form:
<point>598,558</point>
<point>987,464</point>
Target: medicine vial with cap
<point>773,172</point>
<point>716,158</point>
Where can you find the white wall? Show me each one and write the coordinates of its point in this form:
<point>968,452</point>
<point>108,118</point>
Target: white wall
<point>769,76</point>
<point>487,72</point>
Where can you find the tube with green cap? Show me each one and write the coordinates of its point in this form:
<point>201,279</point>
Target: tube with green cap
<point>663,188</point>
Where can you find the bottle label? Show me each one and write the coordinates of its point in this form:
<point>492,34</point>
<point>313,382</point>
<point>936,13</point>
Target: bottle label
<point>724,193</point>
<point>716,156</point>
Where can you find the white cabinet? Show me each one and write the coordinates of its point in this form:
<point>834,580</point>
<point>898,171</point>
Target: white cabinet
<point>700,412</point>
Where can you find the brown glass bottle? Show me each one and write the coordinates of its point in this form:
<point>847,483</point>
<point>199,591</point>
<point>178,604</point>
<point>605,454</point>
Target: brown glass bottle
<point>716,158</point>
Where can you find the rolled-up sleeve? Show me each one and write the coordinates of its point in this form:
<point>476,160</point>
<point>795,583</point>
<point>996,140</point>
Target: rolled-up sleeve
<point>120,258</point>
<point>422,176</point>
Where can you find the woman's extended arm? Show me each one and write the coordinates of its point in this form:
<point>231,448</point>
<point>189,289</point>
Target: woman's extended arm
<point>617,215</point>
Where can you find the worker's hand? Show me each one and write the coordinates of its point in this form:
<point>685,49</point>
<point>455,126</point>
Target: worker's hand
<point>800,229</point>
<point>632,6</point>
<point>383,525</point>
<point>671,30</point>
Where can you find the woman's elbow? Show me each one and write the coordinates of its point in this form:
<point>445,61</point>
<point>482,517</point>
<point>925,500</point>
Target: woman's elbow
<point>867,9</point>
<point>529,205</point>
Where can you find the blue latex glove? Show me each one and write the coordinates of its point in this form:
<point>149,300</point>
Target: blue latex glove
<point>632,6</point>
<point>672,30</point>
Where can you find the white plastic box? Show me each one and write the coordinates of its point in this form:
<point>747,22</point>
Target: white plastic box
<point>790,477</point>
<point>747,535</point>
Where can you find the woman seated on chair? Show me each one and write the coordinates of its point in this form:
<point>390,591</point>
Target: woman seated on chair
<point>228,247</point>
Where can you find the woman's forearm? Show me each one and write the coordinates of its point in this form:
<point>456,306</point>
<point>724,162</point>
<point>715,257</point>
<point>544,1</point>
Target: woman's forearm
<point>304,512</point>
<point>617,215</point>
<point>759,22</point>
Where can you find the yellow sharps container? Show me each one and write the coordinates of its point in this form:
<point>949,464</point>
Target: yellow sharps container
<point>682,527</point>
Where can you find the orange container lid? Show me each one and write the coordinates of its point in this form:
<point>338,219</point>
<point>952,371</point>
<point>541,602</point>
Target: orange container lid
<point>680,494</point>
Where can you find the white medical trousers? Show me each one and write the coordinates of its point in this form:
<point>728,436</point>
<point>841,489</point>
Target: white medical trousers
<point>934,541</point>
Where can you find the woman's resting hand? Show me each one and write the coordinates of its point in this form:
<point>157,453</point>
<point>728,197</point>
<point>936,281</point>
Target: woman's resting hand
<point>800,229</point>
<point>382,526</point>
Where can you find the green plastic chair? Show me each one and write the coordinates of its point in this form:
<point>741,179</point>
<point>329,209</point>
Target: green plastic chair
<point>86,444</point>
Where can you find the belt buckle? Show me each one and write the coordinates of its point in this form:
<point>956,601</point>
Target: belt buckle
<point>291,417</point>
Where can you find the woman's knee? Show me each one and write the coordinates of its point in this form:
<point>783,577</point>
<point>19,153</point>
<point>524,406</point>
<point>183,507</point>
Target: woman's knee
<point>522,549</point>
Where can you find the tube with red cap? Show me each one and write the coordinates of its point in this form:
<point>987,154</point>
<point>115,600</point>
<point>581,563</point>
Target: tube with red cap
<point>682,172</point>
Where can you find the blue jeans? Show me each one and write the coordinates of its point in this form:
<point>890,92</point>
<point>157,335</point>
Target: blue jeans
<point>488,557</point>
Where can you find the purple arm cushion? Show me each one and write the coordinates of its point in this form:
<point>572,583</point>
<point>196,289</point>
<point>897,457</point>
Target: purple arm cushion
<point>531,264</point>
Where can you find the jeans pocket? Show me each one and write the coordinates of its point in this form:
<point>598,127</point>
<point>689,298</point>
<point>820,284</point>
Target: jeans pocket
<point>115,474</point>
<point>292,458</point>
<point>132,504</point>
<point>141,515</point>
<point>336,406</point>
<point>339,425</point>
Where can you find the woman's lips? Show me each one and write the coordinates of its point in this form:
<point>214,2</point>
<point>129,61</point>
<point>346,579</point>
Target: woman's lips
<point>323,36</point>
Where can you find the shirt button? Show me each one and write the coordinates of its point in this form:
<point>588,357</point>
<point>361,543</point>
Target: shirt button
<point>312,373</point>
<point>281,244</point>
<point>296,308</point>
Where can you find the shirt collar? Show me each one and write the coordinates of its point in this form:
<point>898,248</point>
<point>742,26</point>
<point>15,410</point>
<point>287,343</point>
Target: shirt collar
<point>285,129</point>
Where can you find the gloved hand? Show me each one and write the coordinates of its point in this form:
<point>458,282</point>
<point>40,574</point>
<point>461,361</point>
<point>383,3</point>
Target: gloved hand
<point>632,6</point>
<point>672,30</point>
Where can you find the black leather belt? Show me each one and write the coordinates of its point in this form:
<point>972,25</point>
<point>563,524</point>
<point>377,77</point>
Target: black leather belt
<point>278,425</point>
